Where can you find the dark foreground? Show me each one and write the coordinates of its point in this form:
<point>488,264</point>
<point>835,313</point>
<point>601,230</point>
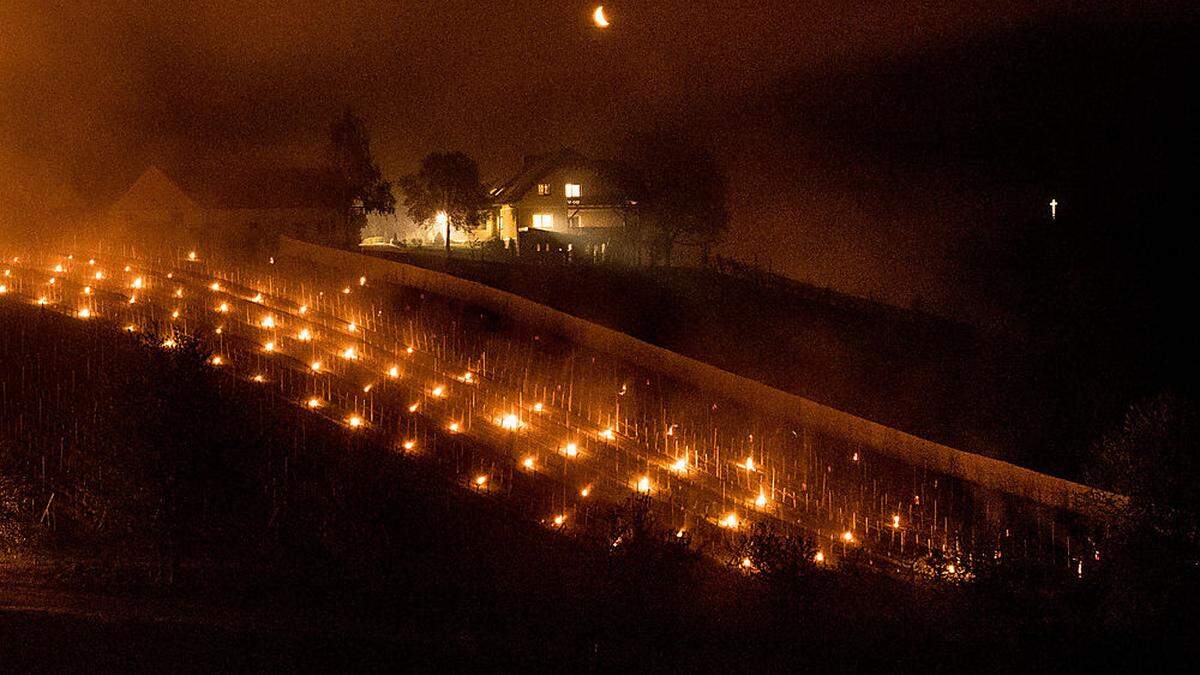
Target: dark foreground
<point>157,514</point>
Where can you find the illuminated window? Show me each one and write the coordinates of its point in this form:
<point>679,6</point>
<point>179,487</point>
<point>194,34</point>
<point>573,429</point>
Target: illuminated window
<point>543,221</point>
<point>543,189</point>
<point>573,190</point>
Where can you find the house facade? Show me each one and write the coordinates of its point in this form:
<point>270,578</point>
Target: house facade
<point>560,200</point>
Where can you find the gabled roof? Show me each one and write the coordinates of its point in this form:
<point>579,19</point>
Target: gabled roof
<point>537,167</point>
<point>154,190</point>
<point>230,188</point>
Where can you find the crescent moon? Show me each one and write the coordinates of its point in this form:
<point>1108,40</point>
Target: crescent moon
<point>598,17</point>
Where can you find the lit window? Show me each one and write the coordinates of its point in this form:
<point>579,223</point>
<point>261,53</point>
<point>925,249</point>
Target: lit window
<point>573,190</point>
<point>543,189</point>
<point>543,221</point>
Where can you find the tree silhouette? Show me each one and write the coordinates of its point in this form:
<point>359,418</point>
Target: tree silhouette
<point>446,191</point>
<point>358,184</point>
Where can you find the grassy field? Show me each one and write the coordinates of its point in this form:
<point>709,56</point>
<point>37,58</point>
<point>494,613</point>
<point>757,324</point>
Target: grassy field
<point>158,513</point>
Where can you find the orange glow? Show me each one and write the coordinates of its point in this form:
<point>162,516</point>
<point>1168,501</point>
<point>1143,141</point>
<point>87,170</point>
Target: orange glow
<point>599,18</point>
<point>585,491</point>
<point>571,450</point>
<point>393,372</point>
<point>819,557</point>
<point>481,480</point>
<point>413,408</point>
<point>438,391</point>
<point>896,522</point>
<point>170,343</point>
<point>559,519</point>
<point>537,407</point>
<point>267,321</point>
<point>680,465</point>
<point>352,327</point>
<point>223,308</point>
<point>608,434</point>
<point>643,485</point>
<point>303,309</point>
<point>216,360</point>
<point>453,427</point>
<point>259,378</point>
<point>528,463</point>
<point>729,521</point>
<point>216,286</point>
<point>409,445</point>
<point>137,283</point>
<point>749,464</point>
<point>315,366</point>
<point>191,256</point>
<point>510,422</point>
<point>848,537</point>
<point>304,335</point>
<point>349,354</point>
<point>314,402</point>
<point>354,421</point>
<point>257,297</point>
<point>269,347</point>
<point>761,500</point>
<point>84,313</point>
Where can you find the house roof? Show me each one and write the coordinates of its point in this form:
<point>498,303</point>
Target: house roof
<point>233,188</point>
<point>536,167</point>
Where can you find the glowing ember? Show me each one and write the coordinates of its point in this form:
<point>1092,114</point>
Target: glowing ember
<point>257,297</point>
<point>537,407</point>
<point>362,281</point>
<point>747,563</point>
<point>896,522</point>
<point>58,269</point>
<point>413,408</point>
<point>848,537</point>
<point>409,445</point>
<point>175,314</point>
<point>819,557</point>
<point>393,372</point>
<point>481,480</point>
<point>510,422</point>
<point>191,256</point>
<point>216,286</point>
<point>170,343</point>
<point>643,485</point>
<point>303,309</point>
<point>84,313</point>
<point>130,328</point>
<point>346,290</point>
<point>367,388</point>
<point>179,292</point>
<point>259,378</point>
<point>571,450</point>
<point>314,402</point>
<point>43,301</point>
<point>216,360</point>
<point>438,391</point>
<point>354,421</point>
<point>528,463</point>
<point>223,308</point>
<point>408,350</point>
<point>729,521</point>
<point>269,347</point>
<point>558,520</point>
<point>137,283</point>
<point>315,366</point>
<point>99,276</point>
<point>585,491</point>
<point>453,427</point>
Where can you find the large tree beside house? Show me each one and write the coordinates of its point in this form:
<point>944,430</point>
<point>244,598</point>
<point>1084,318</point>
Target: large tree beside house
<point>359,185</point>
<point>680,192</point>
<point>446,192</point>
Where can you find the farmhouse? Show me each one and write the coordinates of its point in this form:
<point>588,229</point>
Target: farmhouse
<point>228,206</point>
<point>561,200</point>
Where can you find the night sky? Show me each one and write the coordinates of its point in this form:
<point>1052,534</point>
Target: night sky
<point>869,144</point>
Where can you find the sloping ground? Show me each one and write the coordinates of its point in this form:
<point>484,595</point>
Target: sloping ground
<point>928,376</point>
